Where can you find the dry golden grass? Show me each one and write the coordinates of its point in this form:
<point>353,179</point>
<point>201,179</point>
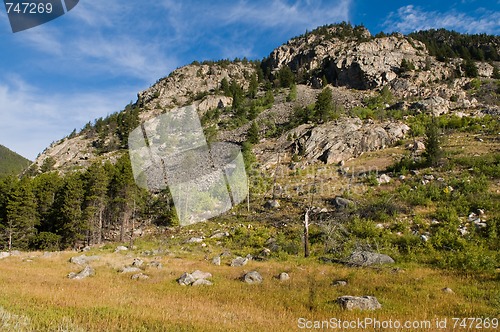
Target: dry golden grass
<point>110,301</point>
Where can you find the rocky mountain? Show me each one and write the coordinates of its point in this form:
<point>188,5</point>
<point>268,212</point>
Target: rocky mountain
<point>11,162</point>
<point>356,66</point>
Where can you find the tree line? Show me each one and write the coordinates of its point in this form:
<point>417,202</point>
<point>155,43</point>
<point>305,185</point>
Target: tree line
<point>53,211</point>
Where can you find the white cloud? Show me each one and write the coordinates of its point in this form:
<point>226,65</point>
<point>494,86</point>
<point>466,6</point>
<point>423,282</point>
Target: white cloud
<point>411,18</point>
<point>31,120</point>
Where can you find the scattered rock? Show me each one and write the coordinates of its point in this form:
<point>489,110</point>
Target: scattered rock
<point>156,265</point>
<point>139,276</point>
<point>366,258</point>
<point>429,177</point>
<point>342,203</point>
<point>219,235</point>
<point>130,269</point>
<point>15,253</point>
<point>239,261</point>
<point>339,283</point>
<point>361,303</point>
<point>195,240</point>
<point>284,276</point>
<point>83,259</point>
<point>137,262</point>
<point>186,279</point>
<point>448,290</point>
<point>197,277</point>
<point>252,277</point>
<point>201,275</point>
<point>384,179</point>
<point>86,249</point>
<point>4,255</point>
<point>86,272</point>
<point>216,260</point>
<point>272,204</point>
<point>121,248</point>
<point>202,282</point>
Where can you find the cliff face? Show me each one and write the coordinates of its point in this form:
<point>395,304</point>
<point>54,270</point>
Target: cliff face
<point>355,66</point>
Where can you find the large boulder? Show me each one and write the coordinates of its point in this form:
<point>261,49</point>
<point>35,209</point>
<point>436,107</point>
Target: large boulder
<point>86,272</point>
<point>83,259</point>
<point>346,138</point>
<point>366,258</point>
<point>196,278</point>
<point>252,277</point>
<point>239,261</point>
<point>361,303</point>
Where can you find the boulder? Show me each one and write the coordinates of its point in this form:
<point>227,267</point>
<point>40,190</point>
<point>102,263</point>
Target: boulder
<point>252,277</point>
<point>272,204</point>
<point>139,276</point>
<point>366,258</point>
<point>448,290</point>
<point>284,276</point>
<point>137,262</point>
<point>186,279</point>
<point>339,283</point>
<point>384,179</point>
<point>121,248</point>
<point>361,303</point>
<point>86,272</point>
<point>4,254</point>
<point>342,203</point>
<point>216,260</point>
<point>239,261</point>
<point>83,259</point>
<point>156,265</point>
<point>197,278</point>
<point>202,282</point>
<point>201,275</point>
<point>219,235</point>
<point>195,240</point>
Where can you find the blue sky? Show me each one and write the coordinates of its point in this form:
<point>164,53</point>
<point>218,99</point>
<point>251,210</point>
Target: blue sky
<point>92,61</point>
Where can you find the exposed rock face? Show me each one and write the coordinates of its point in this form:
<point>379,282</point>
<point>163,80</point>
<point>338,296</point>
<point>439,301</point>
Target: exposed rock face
<point>361,303</point>
<point>340,140</point>
<point>356,64</point>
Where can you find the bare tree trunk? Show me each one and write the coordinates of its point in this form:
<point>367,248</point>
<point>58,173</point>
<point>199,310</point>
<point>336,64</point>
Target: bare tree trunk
<point>306,233</point>
<point>10,240</point>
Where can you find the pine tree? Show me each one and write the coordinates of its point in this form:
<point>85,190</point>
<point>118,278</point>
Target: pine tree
<point>323,109</point>
<point>470,68</point>
<point>96,180</point>
<point>433,152</point>
<point>253,87</point>
<point>253,133</point>
<point>21,217</point>
<point>68,213</point>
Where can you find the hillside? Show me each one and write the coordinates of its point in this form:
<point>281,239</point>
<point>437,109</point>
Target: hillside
<point>373,167</point>
<point>11,162</point>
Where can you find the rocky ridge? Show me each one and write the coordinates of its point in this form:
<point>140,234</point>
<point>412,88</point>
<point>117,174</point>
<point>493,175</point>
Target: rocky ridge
<point>356,68</point>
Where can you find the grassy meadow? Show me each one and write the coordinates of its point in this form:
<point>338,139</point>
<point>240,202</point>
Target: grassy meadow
<point>36,295</point>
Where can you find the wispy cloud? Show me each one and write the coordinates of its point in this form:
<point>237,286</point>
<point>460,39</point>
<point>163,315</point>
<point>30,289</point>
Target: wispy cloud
<point>413,18</point>
<point>35,119</point>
